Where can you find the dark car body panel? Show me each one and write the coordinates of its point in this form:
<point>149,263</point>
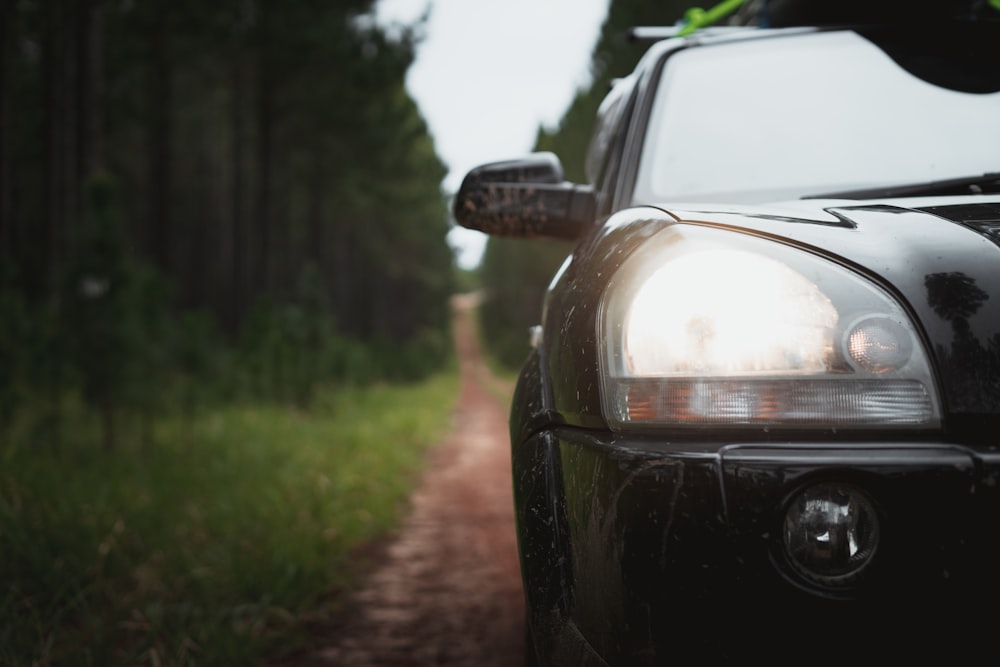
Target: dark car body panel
<point>668,544</point>
<point>628,525</point>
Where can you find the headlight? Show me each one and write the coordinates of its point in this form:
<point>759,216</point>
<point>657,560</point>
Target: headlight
<point>708,327</point>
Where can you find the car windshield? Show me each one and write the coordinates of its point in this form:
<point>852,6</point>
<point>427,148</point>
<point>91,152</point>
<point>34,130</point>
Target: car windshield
<point>752,122</point>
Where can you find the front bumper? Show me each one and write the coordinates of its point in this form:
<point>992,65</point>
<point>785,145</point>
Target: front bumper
<point>646,548</point>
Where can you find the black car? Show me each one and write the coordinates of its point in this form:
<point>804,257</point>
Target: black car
<point>761,416</point>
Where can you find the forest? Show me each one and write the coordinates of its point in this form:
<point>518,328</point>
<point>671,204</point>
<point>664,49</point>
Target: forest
<point>235,198</point>
<point>224,322</point>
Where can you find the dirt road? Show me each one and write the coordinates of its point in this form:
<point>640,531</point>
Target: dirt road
<point>448,592</point>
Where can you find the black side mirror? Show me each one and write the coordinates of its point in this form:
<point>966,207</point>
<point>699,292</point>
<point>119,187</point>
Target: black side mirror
<point>526,198</point>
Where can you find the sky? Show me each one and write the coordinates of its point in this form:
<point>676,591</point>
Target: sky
<point>488,73</point>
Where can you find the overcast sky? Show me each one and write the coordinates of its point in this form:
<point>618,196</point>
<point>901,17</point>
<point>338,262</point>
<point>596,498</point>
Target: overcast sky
<point>489,72</point>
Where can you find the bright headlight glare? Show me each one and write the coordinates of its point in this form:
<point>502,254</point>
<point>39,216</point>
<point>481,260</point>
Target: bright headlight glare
<point>707,326</point>
<point>704,326</point>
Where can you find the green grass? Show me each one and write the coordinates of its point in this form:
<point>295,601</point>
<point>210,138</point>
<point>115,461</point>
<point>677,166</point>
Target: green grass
<point>210,545</point>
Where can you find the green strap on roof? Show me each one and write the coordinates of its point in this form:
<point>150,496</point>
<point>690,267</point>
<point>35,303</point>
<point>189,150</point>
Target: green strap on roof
<point>696,17</point>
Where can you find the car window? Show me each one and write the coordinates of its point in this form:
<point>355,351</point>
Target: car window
<point>604,154</point>
<point>778,119</point>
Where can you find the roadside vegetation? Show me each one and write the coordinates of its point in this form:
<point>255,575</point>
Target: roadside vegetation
<point>217,541</point>
<point>224,326</point>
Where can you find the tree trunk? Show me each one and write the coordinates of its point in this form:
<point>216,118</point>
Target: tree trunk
<point>53,170</point>
<point>238,299</point>
<point>6,37</point>
<point>314,239</point>
<point>90,141</point>
<point>265,132</point>
<point>159,140</point>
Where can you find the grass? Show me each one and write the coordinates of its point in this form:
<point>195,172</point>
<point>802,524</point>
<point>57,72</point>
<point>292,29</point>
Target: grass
<point>212,544</point>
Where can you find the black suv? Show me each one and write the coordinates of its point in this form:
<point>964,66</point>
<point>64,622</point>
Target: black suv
<point>762,412</point>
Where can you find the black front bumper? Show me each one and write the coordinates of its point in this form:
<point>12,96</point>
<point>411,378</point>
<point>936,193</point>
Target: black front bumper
<point>645,550</point>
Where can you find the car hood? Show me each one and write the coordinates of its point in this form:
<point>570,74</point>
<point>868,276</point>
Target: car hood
<point>940,256</point>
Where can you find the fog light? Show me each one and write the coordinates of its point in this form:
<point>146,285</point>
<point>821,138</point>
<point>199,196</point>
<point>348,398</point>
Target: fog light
<point>831,533</point>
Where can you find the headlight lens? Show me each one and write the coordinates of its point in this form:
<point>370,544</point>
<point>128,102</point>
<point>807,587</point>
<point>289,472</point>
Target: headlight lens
<point>707,327</point>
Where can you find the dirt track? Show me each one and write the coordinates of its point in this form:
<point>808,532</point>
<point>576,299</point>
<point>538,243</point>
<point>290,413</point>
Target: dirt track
<point>448,592</point>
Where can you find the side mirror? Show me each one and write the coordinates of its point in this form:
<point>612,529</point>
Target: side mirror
<point>526,198</point>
